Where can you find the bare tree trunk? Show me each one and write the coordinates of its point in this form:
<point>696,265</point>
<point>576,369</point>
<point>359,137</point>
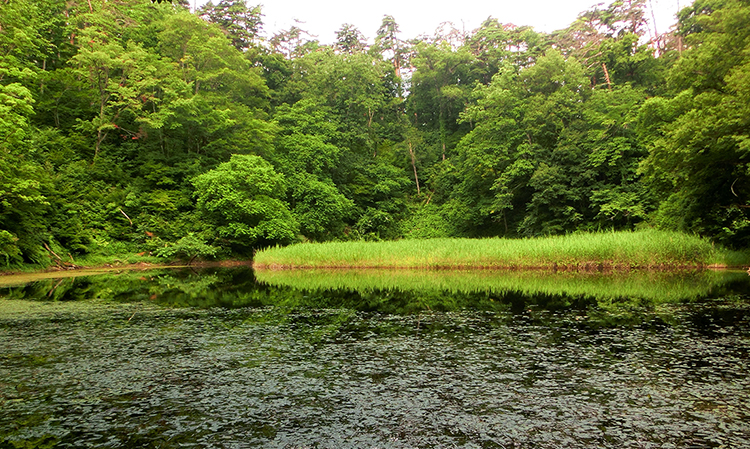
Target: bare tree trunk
<point>414,166</point>
<point>606,76</point>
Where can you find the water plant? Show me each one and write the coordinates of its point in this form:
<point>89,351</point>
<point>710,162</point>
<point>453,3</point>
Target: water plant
<point>103,373</point>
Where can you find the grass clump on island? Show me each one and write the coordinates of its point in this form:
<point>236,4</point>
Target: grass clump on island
<point>602,250</point>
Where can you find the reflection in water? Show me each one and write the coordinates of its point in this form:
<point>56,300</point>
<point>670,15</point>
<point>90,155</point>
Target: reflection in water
<point>387,291</point>
<point>174,358</point>
<point>660,286</point>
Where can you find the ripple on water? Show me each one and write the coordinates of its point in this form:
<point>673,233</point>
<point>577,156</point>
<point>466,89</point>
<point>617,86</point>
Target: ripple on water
<point>137,374</point>
<point>221,378</point>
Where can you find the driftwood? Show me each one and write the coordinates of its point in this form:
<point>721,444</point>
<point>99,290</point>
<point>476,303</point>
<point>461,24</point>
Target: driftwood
<point>59,260</point>
<point>51,252</point>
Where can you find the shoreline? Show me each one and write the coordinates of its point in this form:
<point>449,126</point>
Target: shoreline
<point>56,272</point>
<point>16,277</point>
<point>586,267</point>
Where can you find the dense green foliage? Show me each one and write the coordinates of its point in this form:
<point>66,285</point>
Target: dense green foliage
<point>141,128</point>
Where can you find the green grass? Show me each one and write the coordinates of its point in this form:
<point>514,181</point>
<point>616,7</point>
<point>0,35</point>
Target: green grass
<point>604,250</point>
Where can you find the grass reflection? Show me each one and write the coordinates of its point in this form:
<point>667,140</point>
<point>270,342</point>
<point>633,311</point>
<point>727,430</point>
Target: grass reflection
<point>652,285</point>
<point>589,299</point>
<point>600,299</point>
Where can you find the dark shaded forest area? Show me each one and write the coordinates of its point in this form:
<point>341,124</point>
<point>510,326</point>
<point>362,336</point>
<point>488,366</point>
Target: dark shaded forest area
<point>135,127</point>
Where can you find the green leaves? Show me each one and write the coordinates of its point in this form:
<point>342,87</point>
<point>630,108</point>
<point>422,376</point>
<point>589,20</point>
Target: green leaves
<point>548,154</point>
<point>319,207</point>
<point>241,23</point>
<point>698,139</point>
<point>15,108</point>
<point>8,248</point>
<point>127,84</point>
<point>188,247</point>
<point>242,200</point>
<point>22,205</point>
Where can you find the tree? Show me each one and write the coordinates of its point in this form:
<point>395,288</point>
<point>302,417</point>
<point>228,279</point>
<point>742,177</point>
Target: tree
<point>188,247</point>
<point>292,43</point>
<point>306,154</point>
<point>307,139</point>
<point>23,183</point>
<point>23,204</point>
<point>354,88</point>
<point>319,207</point>
<point>226,111</point>
<point>241,23</point>
<point>610,44</point>
<point>350,40</point>
<point>494,44</point>
<point>448,33</point>
<point>440,90</point>
<point>242,202</point>
<point>548,154</point>
<point>388,43</point>
<point>123,82</point>
<point>699,140</point>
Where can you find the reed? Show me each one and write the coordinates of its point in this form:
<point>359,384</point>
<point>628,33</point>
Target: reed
<point>581,251</point>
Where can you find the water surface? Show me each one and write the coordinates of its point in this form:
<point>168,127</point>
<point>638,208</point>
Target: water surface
<point>216,358</point>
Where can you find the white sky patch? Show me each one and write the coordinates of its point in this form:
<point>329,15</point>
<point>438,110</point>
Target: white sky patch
<point>323,18</point>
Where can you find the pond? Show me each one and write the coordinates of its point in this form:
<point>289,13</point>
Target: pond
<point>229,358</point>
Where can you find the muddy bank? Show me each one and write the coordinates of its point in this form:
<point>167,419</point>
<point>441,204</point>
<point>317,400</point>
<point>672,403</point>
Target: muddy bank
<point>57,272</point>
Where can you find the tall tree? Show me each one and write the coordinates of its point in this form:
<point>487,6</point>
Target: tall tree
<point>387,41</point>
<point>241,23</point>
<point>609,42</point>
<point>226,112</point>
<point>494,43</point>
<point>440,90</point>
<point>350,40</point>
<point>292,43</point>
<point>23,183</point>
<point>354,87</point>
<point>122,79</point>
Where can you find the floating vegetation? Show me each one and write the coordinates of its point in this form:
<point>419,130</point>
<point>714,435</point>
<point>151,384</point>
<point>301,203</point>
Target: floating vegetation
<point>217,377</point>
<point>213,359</point>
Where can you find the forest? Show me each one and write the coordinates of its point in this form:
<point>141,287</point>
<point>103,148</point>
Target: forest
<point>132,127</point>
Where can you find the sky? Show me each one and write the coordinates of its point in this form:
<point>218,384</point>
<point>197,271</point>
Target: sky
<point>322,18</point>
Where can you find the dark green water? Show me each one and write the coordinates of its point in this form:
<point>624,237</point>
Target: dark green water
<point>213,359</point>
